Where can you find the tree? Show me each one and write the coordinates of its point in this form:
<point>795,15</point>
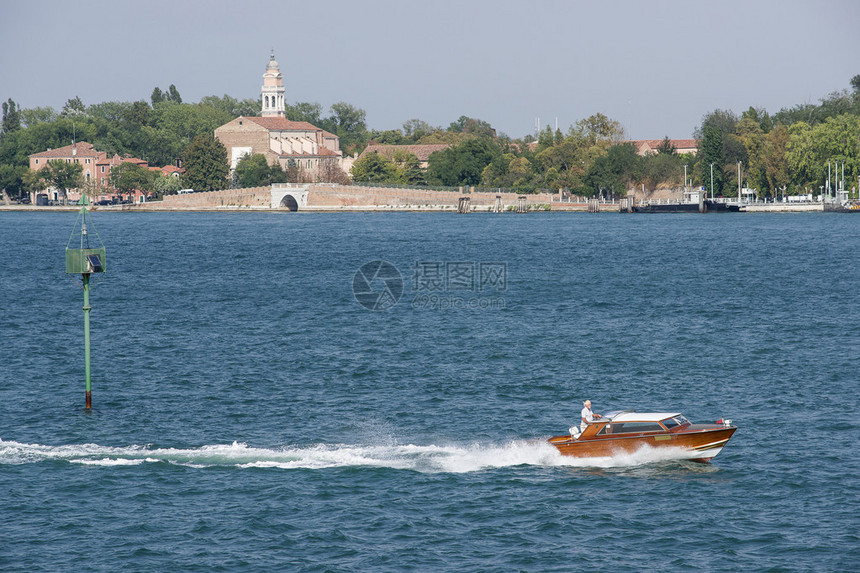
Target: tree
<point>74,106</point>
<point>473,126</point>
<point>462,164</point>
<point>387,137</point>
<point>330,172</point>
<point>409,169</point>
<point>206,165</point>
<point>253,170</point>
<point>723,120</point>
<point>32,116</point>
<point>12,179</point>
<point>138,114</point>
<point>62,176</point>
<point>305,111</point>
<point>128,177</point>
<point>711,152</point>
<point>374,168</point>
<point>349,124</point>
<point>775,159</point>
<point>11,117</point>
<point>612,173</point>
<point>173,94</point>
<point>753,138</point>
<point>232,106</point>
<point>157,95</point>
<point>415,129</point>
<point>166,185</point>
<point>666,147</point>
<point>599,128</point>
<point>810,148</point>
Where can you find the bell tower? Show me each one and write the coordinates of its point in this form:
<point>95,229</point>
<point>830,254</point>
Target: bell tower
<point>273,90</point>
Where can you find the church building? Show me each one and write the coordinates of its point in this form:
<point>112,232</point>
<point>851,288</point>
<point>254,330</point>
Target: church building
<point>311,149</point>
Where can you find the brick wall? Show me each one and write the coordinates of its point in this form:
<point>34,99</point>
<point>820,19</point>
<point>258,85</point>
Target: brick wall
<point>253,197</point>
<point>327,196</point>
<point>354,196</point>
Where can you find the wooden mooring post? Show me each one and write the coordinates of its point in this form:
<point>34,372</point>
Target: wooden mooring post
<point>464,205</point>
<point>521,204</point>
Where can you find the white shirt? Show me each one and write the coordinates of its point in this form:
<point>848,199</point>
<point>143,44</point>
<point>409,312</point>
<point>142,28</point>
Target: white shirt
<point>587,414</point>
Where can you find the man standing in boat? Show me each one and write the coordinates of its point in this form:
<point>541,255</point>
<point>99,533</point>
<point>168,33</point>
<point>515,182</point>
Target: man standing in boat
<point>587,415</point>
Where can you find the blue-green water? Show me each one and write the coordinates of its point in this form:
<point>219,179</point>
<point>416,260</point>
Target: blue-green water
<point>249,414</point>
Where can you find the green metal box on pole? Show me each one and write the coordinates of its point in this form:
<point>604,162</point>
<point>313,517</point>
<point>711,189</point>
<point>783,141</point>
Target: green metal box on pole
<point>85,257</point>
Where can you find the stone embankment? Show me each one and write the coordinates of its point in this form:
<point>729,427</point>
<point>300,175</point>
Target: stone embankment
<point>329,197</point>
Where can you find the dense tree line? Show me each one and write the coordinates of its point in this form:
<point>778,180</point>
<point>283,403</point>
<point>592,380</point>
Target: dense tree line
<point>787,152</point>
<point>588,160</point>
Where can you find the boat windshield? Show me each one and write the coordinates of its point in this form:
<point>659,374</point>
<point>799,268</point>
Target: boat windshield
<point>674,422</point>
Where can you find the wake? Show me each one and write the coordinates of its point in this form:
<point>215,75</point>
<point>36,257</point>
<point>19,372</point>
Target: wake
<point>424,459</point>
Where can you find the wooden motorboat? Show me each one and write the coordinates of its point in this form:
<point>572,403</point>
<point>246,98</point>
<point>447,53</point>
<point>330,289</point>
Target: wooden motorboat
<point>626,432</point>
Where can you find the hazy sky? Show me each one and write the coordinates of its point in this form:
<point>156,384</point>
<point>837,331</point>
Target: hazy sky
<point>657,67</point>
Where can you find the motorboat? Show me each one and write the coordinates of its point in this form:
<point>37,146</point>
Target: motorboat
<point>627,431</point>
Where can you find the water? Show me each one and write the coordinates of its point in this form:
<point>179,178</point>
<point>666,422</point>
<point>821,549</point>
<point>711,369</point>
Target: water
<point>250,415</point>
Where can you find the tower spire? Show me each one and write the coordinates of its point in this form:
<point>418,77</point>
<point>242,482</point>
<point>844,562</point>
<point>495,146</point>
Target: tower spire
<point>272,94</point>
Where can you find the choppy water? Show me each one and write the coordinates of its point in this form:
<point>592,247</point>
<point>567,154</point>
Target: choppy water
<point>249,414</point>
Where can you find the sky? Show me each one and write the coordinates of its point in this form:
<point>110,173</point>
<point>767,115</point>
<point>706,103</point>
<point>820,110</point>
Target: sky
<point>656,67</point>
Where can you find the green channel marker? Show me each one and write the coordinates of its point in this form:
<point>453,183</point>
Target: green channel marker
<point>85,257</point>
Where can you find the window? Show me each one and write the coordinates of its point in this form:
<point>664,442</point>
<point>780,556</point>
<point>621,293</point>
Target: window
<point>103,168</point>
<point>670,423</point>
<point>37,162</point>
<point>630,427</point>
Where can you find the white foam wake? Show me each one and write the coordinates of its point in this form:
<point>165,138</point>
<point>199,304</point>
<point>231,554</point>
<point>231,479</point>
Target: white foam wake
<point>427,459</point>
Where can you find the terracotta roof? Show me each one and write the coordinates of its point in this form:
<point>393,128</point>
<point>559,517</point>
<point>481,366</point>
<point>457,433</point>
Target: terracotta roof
<point>81,148</point>
<point>655,143</point>
<point>282,124</point>
<point>422,152</point>
<point>116,160</point>
<point>167,169</point>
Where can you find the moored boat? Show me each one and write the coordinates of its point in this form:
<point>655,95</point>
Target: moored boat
<point>627,431</point>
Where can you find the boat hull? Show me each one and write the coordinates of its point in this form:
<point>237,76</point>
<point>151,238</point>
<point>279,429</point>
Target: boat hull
<point>708,207</point>
<point>700,444</point>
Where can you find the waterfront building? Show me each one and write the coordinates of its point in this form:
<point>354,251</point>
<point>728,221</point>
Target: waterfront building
<point>96,168</point>
<point>81,152</point>
<point>282,141</point>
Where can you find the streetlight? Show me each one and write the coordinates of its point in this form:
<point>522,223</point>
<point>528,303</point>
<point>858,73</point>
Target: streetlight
<point>685,177</point>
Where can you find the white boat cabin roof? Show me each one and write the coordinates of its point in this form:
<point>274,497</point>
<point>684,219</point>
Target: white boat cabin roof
<point>639,416</point>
